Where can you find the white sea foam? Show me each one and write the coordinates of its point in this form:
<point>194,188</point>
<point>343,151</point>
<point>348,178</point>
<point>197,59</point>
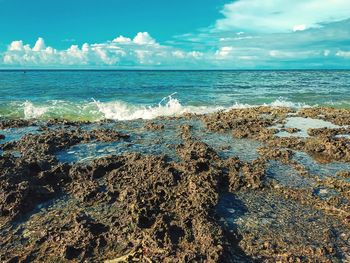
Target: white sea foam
<point>168,106</point>
<point>119,110</point>
<point>31,112</point>
<point>288,104</point>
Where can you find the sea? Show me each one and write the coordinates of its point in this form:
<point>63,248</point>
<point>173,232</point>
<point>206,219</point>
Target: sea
<point>93,95</point>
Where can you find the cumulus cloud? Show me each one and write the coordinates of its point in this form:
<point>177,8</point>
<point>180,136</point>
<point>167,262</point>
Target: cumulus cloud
<point>39,45</point>
<point>142,50</point>
<point>17,46</point>
<point>143,38</point>
<point>122,39</point>
<point>281,15</point>
<point>322,47</point>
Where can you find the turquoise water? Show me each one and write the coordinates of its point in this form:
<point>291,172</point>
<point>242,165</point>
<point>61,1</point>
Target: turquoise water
<point>125,95</point>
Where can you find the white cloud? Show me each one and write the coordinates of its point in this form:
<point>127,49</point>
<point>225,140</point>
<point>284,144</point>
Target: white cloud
<point>39,45</point>
<point>324,47</point>
<point>326,52</point>
<point>85,47</point>
<point>292,54</point>
<point>344,54</point>
<point>16,46</point>
<point>281,15</point>
<point>299,28</point>
<point>121,39</point>
<point>142,50</point>
<point>223,52</point>
<point>195,54</point>
<point>143,38</point>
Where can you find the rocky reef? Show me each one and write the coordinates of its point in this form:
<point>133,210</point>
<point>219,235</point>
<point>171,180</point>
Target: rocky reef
<point>289,204</point>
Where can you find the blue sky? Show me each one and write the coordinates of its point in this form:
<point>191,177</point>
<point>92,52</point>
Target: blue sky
<point>192,34</point>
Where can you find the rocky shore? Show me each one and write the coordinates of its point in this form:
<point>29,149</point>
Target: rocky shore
<point>200,206</point>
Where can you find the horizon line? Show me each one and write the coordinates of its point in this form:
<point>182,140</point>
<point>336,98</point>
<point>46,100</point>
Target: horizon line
<point>140,69</point>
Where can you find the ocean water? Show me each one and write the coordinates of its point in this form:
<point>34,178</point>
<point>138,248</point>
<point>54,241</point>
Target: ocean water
<point>127,95</point>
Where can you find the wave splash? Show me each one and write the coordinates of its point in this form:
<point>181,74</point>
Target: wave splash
<point>33,112</point>
<point>168,106</point>
<point>118,110</point>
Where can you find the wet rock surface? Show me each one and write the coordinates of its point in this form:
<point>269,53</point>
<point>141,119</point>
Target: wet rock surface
<point>154,126</point>
<point>260,123</point>
<point>16,123</point>
<point>336,116</point>
<point>290,130</point>
<point>198,207</point>
<point>36,175</point>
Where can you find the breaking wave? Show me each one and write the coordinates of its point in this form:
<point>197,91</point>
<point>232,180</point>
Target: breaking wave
<point>168,106</point>
<point>95,110</point>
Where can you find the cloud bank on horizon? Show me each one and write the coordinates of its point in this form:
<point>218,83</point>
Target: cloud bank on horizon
<point>142,50</point>
<point>250,34</point>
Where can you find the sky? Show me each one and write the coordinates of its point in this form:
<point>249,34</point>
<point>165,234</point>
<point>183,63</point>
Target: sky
<point>191,34</point>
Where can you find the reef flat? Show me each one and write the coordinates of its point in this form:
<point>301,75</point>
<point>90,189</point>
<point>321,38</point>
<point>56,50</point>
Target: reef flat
<point>242,185</point>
